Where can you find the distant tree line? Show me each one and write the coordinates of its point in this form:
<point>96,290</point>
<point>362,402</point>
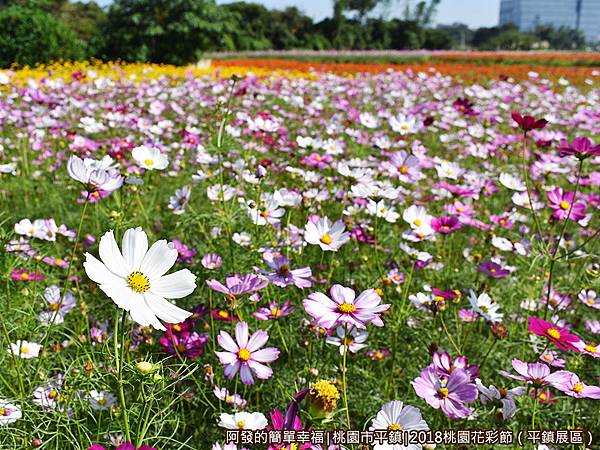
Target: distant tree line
<point>180,31</point>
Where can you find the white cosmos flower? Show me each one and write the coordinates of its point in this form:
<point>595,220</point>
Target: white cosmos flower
<point>486,307</point>
<point>329,236</point>
<point>149,158</point>
<point>417,217</point>
<point>9,412</point>
<point>135,279</point>
<point>101,400</point>
<point>243,421</point>
<point>382,210</point>
<point>396,416</point>
<point>25,349</point>
<point>511,182</point>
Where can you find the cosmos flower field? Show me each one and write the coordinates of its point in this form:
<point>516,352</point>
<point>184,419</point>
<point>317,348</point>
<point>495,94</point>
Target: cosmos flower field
<point>191,252</point>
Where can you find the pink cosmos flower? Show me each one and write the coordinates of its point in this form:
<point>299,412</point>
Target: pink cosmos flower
<point>244,355</point>
<point>561,337</point>
<point>185,254</point>
<point>274,311</point>
<point>445,366</point>
<point>211,261</point>
<point>282,275</point>
<point>238,285</point>
<point>26,275</point>
<point>450,394</point>
<point>570,384</point>
<point>537,374</point>
<point>345,308</point>
<point>445,224</point>
<point>561,202</point>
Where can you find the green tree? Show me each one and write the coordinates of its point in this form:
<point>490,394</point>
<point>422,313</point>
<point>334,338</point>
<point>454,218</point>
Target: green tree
<point>166,31</point>
<point>29,36</point>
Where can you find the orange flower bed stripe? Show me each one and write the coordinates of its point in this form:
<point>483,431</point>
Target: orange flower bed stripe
<point>467,71</point>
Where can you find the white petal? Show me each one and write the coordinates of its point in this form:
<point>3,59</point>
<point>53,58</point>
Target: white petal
<point>165,310</point>
<point>159,259</point>
<point>135,246</point>
<point>121,294</point>
<point>98,272</point>
<point>111,256</point>
<point>175,285</point>
<point>142,314</point>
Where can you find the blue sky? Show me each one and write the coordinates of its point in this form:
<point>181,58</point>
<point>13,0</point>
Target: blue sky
<point>475,13</point>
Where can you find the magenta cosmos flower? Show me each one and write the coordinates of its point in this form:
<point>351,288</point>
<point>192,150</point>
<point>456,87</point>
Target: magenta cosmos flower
<point>244,354</point>
<point>561,337</point>
<point>345,308</point>
<point>185,344</point>
<point>561,202</point>
<point>445,224</point>
<point>493,269</point>
<point>581,148</point>
<point>123,446</point>
<point>528,123</point>
<point>450,394</point>
<point>26,275</point>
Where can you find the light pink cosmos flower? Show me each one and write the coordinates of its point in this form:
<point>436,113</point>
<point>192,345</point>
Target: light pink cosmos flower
<point>570,384</point>
<point>450,394</point>
<point>537,374</point>
<point>345,308</point>
<point>329,236</point>
<point>244,354</point>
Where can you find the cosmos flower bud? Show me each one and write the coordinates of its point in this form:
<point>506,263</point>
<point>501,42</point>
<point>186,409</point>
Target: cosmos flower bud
<point>323,397</point>
<point>144,367</point>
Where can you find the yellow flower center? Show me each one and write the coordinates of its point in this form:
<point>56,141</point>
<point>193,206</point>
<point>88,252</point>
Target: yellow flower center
<point>403,170</point>
<point>394,427</point>
<point>275,312</point>
<point>58,261</point>
<point>542,396</point>
<point>3,412</point>
<point>25,276</point>
<point>346,308</point>
<point>241,424</point>
<point>417,222</point>
<point>326,394</point>
<point>326,239</point>
<point>102,402</point>
<point>24,350</point>
<point>228,399</point>
<point>553,333</point>
<point>53,306</point>
<point>578,388</point>
<point>138,282</point>
<point>244,354</point>
<point>565,205</point>
<point>284,269</point>
<point>53,394</point>
<point>443,392</point>
<point>590,348</point>
<point>149,162</point>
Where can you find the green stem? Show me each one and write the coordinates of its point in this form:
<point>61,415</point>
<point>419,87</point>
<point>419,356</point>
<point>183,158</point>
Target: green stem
<point>67,281</point>
<point>119,364</point>
<point>344,382</point>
